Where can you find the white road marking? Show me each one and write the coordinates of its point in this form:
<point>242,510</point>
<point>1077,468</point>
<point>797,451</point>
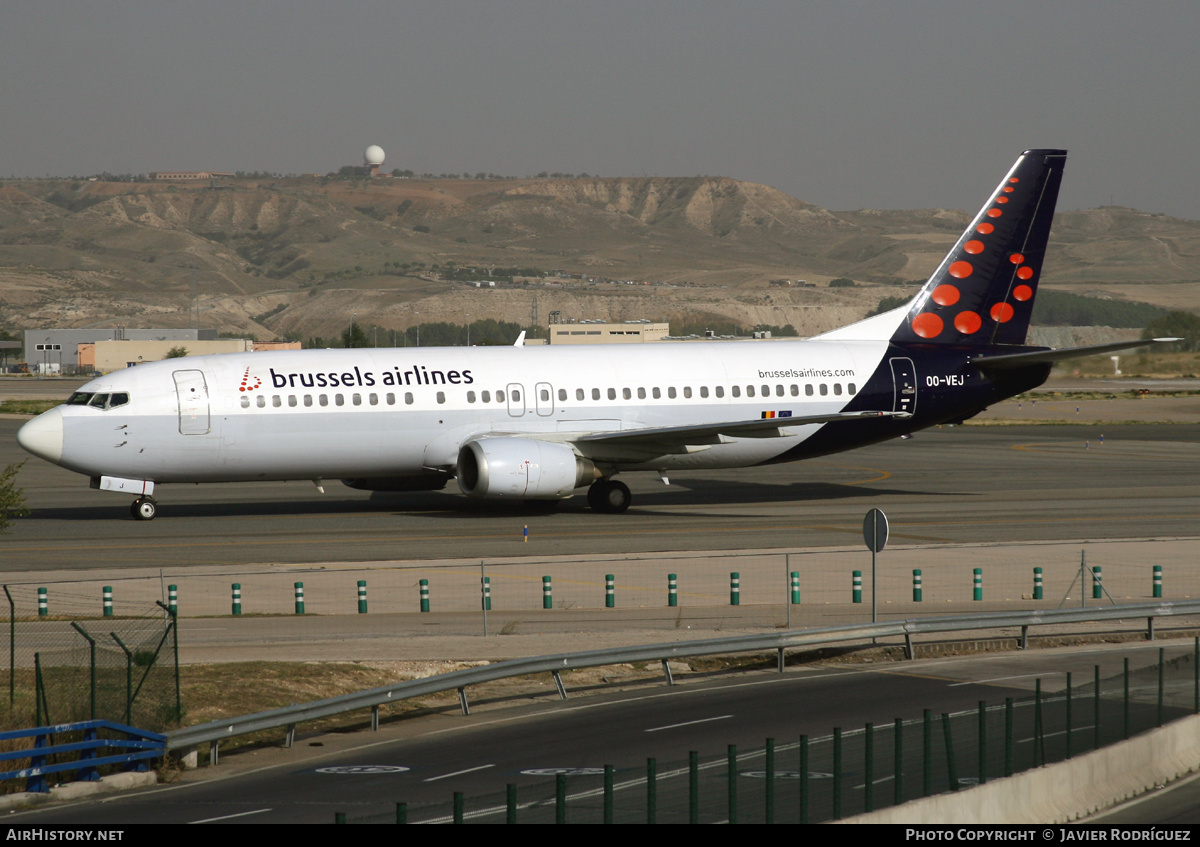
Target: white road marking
<point>227,817</point>
<point>689,723</point>
<point>459,773</point>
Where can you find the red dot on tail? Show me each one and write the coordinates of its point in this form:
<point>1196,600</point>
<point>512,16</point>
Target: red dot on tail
<point>967,322</point>
<point>927,325</point>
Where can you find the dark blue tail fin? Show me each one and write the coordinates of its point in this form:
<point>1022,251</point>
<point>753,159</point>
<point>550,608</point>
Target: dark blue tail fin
<point>983,291</point>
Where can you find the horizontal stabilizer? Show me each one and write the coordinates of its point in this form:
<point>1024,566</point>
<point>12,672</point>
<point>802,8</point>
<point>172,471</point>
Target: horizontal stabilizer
<point>1003,361</point>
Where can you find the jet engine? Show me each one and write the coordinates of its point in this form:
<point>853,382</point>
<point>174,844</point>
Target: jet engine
<point>522,469</point>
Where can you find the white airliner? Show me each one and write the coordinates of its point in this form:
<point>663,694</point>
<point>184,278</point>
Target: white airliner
<point>541,423</point>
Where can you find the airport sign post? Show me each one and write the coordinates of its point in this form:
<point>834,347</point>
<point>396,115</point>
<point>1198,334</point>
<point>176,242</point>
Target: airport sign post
<point>875,534</point>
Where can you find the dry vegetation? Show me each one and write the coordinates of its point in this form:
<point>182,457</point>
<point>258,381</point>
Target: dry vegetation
<point>301,255</point>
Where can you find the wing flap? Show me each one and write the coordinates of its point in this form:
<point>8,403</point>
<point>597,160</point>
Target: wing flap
<point>678,439</point>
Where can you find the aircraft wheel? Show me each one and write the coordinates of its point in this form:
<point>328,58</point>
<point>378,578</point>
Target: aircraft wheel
<point>609,496</point>
<point>144,509</point>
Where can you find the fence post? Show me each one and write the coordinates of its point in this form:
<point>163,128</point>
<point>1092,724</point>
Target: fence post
<point>43,604</point>
<point>108,606</point>
<point>1097,577</point>
<point>424,583</point>
<point>547,594</point>
<point>298,590</point>
<point>795,576</point>
<point>362,596</point>
<point>237,598</point>
<point>1158,580</point>
<point>917,585</point>
<point>978,592</point>
<point>1037,583</point>
<point>856,592</point>
<point>735,590</point>
<point>173,599</point>
<point>610,597</point>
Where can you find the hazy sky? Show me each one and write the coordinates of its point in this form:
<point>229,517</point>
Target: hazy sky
<point>844,104</point>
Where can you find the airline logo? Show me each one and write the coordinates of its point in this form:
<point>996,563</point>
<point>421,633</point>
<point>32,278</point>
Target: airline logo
<point>247,384</point>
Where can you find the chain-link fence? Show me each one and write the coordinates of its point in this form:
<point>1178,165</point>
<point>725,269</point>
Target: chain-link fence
<point>812,585</point>
<point>123,669</point>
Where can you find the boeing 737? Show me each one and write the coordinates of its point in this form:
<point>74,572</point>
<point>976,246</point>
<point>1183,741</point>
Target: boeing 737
<point>543,423</point>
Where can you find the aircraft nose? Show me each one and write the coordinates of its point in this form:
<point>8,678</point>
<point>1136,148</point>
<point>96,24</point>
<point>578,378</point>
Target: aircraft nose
<point>43,436</point>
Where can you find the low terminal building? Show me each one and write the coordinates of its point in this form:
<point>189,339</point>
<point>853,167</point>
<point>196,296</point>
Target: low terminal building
<point>600,332</point>
<point>56,351</point>
<point>107,356</point>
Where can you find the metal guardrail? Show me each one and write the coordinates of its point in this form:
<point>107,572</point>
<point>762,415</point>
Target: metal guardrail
<point>214,732</point>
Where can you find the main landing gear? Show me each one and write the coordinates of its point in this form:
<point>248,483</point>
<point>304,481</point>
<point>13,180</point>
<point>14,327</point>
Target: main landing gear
<point>609,496</point>
<point>144,508</point>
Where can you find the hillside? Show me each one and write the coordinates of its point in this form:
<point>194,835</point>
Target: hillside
<point>306,255</point>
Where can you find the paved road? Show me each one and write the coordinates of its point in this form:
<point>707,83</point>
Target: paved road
<point>433,756</point>
<point>960,484</point>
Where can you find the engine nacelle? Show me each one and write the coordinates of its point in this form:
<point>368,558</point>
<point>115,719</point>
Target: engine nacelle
<point>521,469</point>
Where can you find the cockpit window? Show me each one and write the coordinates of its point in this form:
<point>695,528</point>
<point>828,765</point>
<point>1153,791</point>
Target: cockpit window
<point>98,401</point>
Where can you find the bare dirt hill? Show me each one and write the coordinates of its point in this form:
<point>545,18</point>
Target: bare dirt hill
<point>302,255</point>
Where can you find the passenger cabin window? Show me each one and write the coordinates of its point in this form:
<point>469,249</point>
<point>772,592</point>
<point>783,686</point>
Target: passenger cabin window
<point>736,390</point>
<point>704,391</point>
<point>687,392</point>
<point>562,395</point>
<point>292,401</point>
<point>595,393</point>
<point>670,392</point>
<point>808,390</point>
<point>837,388</point>
<point>486,396</point>
<point>626,394</point>
<point>470,396</point>
<point>641,394</point>
<point>324,399</point>
<point>851,389</point>
<point>824,389</point>
<point>408,398</point>
<point>749,390</point>
<point>441,396</point>
<point>720,389</point>
<point>657,392</point>
<point>612,394</point>
<point>245,402</point>
<point>579,395</point>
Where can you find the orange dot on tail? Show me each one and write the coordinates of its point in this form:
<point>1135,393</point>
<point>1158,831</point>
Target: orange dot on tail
<point>1022,293</point>
<point>973,246</point>
<point>1001,199</point>
<point>1002,313</point>
<point>994,213</point>
<point>967,322</point>
<point>1008,189</point>
<point>961,270</point>
<point>985,228</point>
<point>1014,179</point>
<point>927,325</point>
<point>945,295</point>
<point>1016,258</point>
<point>1025,272</point>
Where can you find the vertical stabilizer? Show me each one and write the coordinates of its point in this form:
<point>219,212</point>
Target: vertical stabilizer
<point>982,293</point>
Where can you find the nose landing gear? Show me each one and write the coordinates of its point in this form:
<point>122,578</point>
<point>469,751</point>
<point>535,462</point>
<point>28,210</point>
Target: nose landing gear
<point>144,508</point>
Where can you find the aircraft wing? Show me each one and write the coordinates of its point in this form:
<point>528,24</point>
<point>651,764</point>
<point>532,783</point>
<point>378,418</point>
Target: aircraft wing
<point>1044,357</point>
<point>696,437</point>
